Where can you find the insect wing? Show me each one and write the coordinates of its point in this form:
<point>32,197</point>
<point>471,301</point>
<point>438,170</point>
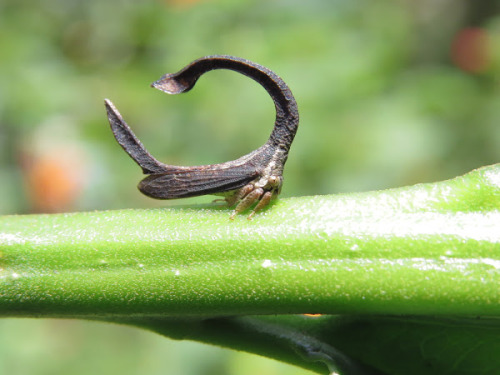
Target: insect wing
<point>195,182</point>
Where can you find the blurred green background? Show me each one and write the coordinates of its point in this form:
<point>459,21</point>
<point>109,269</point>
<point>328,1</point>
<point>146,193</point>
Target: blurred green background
<point>390,94</point>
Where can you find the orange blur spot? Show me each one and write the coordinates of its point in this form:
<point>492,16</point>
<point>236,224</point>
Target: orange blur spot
<point>51,184</point>
<point>469,50</point>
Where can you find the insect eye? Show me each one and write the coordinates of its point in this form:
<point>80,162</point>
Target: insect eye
<point>274,181</point>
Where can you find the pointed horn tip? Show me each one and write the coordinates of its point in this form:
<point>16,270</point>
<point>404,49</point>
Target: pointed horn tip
<point>112,111</point>
<point>162,85</point>
<point>109,105</point>
<point>170,85</point>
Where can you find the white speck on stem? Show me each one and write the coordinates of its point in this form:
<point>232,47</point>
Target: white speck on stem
<point>267,263</point>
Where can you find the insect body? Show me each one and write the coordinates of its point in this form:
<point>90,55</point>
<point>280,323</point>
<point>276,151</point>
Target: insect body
<point>253,178</point>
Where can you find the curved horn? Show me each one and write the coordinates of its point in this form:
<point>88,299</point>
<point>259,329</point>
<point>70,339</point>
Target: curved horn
<point>287,116</point>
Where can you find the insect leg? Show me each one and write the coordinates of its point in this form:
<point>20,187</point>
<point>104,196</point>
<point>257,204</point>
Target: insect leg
<point>249,199</point>
<point>239,195</point>
<point>264,201</point>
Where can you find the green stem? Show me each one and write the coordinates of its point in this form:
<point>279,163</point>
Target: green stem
<point>430,249</point>
<point>427,249</point>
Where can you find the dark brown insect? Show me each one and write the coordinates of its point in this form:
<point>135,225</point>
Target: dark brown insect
<point>253,178</point>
